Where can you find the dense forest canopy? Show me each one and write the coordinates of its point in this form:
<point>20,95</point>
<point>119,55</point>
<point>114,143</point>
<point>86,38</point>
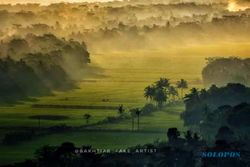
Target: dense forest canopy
<point>235,117</point>
<point>18,81</point>
<point>70,55</point>
<point>36,65</point>
<point>216,107</point>
<point>220,71</point>
<point>129,24</point>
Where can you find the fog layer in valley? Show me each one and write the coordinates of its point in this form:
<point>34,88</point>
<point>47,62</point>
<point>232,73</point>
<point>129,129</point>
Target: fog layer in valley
<point>161,37</point>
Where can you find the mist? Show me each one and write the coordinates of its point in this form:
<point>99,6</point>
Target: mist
<point>47,2</point>
<point>167,30</point>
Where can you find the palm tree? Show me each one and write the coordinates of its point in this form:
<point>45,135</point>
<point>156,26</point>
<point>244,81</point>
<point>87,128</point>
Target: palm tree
<point>173,134</point>
<point>192,98</point>
<point>39,122</point>
<point>138,112</point>
<point>173,92</point>
<point>203,94</point>
<point>133,114</point>
<point>149,92</point>
<point>87,117</point>
<point>182,84</point>
<point>158,91</point>
<point>162,83</point>
<point>120,109</point>
<point>160,96</point>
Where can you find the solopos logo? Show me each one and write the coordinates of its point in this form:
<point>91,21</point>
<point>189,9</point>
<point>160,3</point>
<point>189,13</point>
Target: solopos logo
<point>220,154</point>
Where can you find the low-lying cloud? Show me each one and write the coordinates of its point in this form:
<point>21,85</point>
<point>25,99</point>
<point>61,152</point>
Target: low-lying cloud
<point>243,2</point>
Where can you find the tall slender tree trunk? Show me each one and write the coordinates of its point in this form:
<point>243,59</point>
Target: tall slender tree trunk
<point>39,122</point>
<point>182,93</point>
<point>133,123</point>
<point>138,122</point>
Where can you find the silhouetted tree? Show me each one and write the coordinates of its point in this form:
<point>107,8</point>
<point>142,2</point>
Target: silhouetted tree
<point>158,92</point>
<point>120,109</point>
<point>173,134</point>
<point>225,133</point>
<point>87,117</point>
<point>192,99</point>
<point>133,114</point>
<point>182,84</point>
<point>188,135</point>
<point>162,83</point>
<point>173,92</point>
<point>138,113</point>
<point>160,96</point>
<point>211,109</point>
<point>149,92</point>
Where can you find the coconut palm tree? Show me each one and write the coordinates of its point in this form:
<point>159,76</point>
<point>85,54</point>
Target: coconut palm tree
<point>160,96</point>
<point>192,98</point>
<point>87,117</point>
<point>149,92</point>
<point>121,109</point>
<point>182,84</point>
<point>133,114</point>
<point>158,91</point>
<point>138,113</point>
<point>173,92</point>
<point>162,83</point>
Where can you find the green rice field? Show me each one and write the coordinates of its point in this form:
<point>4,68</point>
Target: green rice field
<point>122,81</point>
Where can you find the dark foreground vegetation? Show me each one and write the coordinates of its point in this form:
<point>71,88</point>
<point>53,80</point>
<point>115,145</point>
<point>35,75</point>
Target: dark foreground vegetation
<point>207,110</point>
<point>216,127</point>
<point>17,136</point>
<point>178,151</point>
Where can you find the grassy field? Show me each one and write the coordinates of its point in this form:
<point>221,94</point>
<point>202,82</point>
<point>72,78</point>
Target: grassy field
<point>121,80</point>
<point>125,77</point>
<point>158,121</point>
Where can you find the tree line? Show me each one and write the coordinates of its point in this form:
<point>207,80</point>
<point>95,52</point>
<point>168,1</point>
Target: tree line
<point>208,110</point>
<point>177,150</point>
<point>36,65</point>
<point>162,91</point>
<point>219,71</point>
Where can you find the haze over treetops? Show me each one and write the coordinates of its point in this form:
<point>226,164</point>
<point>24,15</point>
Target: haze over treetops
<point>46,2</point>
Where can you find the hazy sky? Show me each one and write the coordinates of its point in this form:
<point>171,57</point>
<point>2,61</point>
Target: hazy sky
<point>46,1</point>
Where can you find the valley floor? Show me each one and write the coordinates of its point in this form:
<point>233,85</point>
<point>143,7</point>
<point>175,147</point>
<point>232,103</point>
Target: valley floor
<point>124,79</point>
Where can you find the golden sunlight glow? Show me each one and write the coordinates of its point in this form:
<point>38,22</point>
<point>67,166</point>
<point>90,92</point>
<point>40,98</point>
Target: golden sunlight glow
<point>47,2</point>
<point>234,7</point>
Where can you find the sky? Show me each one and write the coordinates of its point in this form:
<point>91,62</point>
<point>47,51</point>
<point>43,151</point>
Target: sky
<point>45,2</point>
<point>234,5</point>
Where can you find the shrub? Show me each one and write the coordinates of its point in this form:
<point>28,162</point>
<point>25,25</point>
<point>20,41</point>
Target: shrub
<point>16,137</point>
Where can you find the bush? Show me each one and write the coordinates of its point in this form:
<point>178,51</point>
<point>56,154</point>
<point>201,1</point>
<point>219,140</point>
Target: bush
<point>60,128</point>
<point>148,109</point>
<point>115,119</point>
<point>49,117</point>
<point>16,137</point>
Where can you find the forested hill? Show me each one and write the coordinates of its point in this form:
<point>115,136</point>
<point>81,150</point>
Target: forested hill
<point>36,65</point>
